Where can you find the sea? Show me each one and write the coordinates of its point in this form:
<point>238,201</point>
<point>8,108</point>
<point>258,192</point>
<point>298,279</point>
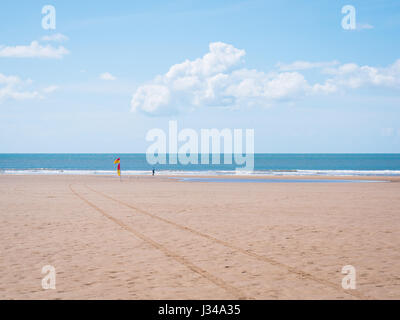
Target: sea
<point>264,164</point>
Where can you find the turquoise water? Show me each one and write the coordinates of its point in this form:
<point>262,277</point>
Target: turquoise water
<point>275,164</point>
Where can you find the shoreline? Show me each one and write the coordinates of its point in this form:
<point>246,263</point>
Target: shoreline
<point>219,176</point>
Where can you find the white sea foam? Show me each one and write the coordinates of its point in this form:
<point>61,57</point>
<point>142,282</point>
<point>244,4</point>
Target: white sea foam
<point>207,173</point>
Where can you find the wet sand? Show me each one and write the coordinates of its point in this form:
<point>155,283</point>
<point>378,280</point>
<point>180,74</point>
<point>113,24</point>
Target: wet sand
<point>160,238</point>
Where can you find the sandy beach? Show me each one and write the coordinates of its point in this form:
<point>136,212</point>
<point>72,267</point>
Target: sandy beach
<point>160,238</point>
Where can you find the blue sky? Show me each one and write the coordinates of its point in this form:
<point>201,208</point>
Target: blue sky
<point>117,69</point>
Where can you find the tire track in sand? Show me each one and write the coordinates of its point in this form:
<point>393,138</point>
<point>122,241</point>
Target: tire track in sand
<point>299,273</point>
<point>205,274</point>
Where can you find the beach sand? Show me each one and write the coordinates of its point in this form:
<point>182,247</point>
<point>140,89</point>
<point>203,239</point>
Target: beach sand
<point>159,238</point>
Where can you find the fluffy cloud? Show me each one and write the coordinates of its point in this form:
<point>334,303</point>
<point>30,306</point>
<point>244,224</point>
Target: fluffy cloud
<point>58,37</point>
<point>221,57</point>
<point>34,50</point>
<point>12,87</point>
<point>107,76</point>
<point>353,76</point>
<point>303,65</point>
<point>215,80</point>
<point>218,79</point>
<point>150,97</point>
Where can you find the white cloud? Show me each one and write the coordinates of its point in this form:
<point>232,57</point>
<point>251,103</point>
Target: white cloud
<point>150,97</point>
<point>251,84</point>
<point>34,50</point>
<point>303,65</point>
<point>58,37</point>
<point>221,57</point>
<point>50,89</point>
<point>342,69</point>
<point>217,79</point>
<point>107,76</point>
<point>12,87</point>
<point>362,26</point>
<point>353,76</point>
<point>327,87</point>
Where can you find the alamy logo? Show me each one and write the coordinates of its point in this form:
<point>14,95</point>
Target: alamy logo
<point>49,281</point>
<point>349,281</point>
<point>227,142</point>
<point>49,20</point>
<point>349,20</point>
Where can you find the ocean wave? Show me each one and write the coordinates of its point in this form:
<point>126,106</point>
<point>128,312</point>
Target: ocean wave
<point>206,173</point>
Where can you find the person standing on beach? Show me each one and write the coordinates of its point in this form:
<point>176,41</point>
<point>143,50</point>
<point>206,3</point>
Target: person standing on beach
<point>154,171</point>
